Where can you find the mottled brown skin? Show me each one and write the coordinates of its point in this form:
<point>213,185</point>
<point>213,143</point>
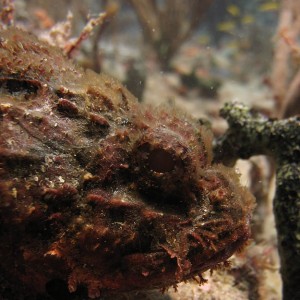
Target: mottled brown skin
<point>100,192</point>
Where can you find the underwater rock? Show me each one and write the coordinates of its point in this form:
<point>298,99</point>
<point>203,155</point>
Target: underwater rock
<point>98,193</point>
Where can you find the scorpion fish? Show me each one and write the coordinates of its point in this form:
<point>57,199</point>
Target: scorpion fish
<point>100,193</point>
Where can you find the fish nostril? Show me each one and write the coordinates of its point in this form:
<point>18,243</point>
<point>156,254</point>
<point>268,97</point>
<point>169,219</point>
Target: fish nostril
<point>161,161</point>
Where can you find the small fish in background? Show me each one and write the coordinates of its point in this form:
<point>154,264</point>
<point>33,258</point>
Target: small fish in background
<point>227,26</point>
<point>247,19</point>
<point>269,6</point>
<point>233,45</point>
<point>233,10</point>
<point>204,39</point>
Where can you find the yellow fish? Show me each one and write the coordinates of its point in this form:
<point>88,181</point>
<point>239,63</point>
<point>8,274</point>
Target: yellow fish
<point>204,39</point>
<point>226,26</point>
<point>247,19</point>
<point>233,45</point>
<point>269,6</point>
<point>233,10</point>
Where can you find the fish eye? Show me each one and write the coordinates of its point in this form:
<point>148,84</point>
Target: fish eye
<point>157,161</point>
<point>161,161</point>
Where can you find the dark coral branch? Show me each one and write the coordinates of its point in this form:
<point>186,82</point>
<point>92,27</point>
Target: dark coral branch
<point>250,134</point>
<point>167,26</point>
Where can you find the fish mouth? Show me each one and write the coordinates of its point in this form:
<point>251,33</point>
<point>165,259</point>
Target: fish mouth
<point>122,239</point>
<point>182,249</point>
<point>159,243</point>
<point>166,268</point>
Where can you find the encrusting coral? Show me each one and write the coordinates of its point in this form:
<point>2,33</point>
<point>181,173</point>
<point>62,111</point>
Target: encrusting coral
<point>98,193</point>
<point>251,133</point>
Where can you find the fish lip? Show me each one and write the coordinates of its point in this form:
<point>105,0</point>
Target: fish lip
<point>166,272</point>
<point>201,257</point>
<point>215,211</point>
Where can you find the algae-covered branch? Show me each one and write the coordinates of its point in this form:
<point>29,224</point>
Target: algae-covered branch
<point>250,134</point>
